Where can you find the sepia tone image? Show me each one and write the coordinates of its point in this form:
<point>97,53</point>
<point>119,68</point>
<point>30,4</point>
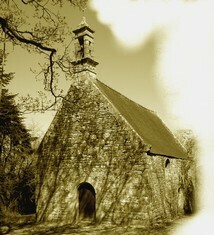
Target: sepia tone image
<point>106,117</point>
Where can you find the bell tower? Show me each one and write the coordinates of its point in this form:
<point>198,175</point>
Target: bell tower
<point>84,49</point>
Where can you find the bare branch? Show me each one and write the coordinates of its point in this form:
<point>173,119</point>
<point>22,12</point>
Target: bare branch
<point>26,32</point>
<point>41,36</point>
<point>12,34</point>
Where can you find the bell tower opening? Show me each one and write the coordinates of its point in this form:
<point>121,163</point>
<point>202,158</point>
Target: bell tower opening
<point>87,204</point>
<point>79,49</point>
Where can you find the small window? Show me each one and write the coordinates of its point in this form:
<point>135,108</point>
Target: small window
<point>167,163</point>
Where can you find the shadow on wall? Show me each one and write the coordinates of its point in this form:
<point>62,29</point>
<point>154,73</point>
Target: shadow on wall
<point>117,200</point>
<point>130,185</point>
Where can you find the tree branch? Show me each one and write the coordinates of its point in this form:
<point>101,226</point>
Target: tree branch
<point>12,34</point>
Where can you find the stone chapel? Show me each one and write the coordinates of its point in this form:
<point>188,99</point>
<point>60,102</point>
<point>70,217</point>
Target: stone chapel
<point>106,158</point>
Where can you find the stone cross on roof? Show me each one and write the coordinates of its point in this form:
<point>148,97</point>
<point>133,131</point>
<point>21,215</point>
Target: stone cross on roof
<point>83,22</point>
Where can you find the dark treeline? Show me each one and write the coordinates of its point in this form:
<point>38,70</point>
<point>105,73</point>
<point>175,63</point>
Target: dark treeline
<point>17,158</point>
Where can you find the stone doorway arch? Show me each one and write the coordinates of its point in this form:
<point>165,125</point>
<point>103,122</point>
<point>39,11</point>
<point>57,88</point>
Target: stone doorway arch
<point>87,202</point>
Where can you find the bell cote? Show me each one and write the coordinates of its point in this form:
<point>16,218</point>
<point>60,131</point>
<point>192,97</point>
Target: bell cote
<point>84,49</point>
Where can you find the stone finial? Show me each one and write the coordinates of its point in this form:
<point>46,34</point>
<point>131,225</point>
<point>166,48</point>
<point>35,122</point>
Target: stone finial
<point>83,22</point>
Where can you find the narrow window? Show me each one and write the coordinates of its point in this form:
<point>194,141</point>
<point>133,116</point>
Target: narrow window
<point>167,163</point>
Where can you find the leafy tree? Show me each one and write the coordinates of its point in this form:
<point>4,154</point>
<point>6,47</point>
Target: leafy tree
<point>5,78</point>
<point>188,140</point>
<point>16,158</point>
<point>40,27</point>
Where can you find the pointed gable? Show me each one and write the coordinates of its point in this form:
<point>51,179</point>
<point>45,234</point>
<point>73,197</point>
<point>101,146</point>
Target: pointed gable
<point>145,122</point>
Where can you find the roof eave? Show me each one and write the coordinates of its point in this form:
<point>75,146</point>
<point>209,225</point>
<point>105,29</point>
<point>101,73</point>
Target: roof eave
<point>150,153</point>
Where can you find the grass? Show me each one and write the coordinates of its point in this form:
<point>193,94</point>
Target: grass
<point>13,221</point>
<point>26,225</point>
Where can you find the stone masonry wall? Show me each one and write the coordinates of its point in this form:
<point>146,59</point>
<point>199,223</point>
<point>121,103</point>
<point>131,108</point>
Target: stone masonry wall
<point>89,141</point>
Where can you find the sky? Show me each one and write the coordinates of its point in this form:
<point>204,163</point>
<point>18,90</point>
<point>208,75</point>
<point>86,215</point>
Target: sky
<point>131,71</point>
<point>183,65</point>
<point>158,53</point>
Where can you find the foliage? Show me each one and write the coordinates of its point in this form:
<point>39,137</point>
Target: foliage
<point>188,140</point>
<point>16,157</point>
<point>40,26</point>
<point>5,77</point>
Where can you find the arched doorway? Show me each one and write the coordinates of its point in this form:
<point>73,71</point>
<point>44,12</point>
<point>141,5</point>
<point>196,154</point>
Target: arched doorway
<point>86,201</point>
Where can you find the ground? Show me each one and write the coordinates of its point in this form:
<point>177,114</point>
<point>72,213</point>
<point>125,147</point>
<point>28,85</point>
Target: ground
<point>33,228</point>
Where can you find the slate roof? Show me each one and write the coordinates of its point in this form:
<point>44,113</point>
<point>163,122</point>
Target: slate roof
<point>146,123</point>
